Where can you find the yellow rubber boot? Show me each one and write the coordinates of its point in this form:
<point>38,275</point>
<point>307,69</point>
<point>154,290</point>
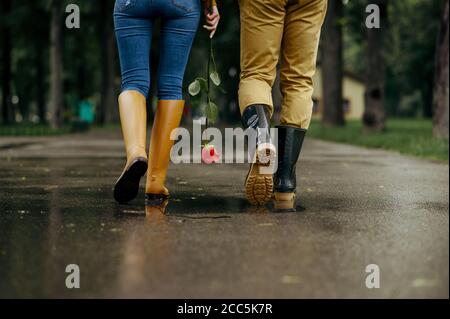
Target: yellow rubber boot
<point>133,117</point>
<point>168,117</point>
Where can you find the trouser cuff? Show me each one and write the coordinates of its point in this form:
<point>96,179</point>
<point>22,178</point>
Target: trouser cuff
<point>253,92</point>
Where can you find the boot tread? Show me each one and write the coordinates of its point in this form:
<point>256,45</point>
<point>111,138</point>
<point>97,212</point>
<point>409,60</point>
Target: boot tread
<point>127,186</point>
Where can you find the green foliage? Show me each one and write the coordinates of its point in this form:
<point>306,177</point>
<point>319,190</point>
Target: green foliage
<point>201,87</point>
<point>215,78</point>
<point>195,87</point>
<point>407,136</point>
<point>410,56</point>
<point>410,52</point>
<point>212,111</point>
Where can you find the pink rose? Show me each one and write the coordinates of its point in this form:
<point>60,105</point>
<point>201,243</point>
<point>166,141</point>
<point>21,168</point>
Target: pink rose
<point>210,154</point>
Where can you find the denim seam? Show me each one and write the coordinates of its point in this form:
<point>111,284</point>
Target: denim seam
<point>180,6</point>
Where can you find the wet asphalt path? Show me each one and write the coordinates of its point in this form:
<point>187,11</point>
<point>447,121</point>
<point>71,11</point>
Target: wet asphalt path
<point>359,207</point>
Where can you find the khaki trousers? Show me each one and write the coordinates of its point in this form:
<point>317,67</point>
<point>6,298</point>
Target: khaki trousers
<point>286,29</point>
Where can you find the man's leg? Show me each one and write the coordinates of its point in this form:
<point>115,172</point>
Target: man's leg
<point>262,26</point>
<point>303,23</point>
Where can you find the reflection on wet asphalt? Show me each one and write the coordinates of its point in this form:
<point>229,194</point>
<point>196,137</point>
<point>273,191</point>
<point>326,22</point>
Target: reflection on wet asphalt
<point>208,242</point>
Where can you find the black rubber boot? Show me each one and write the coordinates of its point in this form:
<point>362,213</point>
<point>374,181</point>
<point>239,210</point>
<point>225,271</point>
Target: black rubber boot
<point>257,118</point>
<point>259,181</point>
<point>290,142</point>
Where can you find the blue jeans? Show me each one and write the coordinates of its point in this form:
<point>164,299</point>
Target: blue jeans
<point>133,20</point>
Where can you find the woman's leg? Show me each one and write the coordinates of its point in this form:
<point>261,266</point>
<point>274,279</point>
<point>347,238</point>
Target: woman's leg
<point>133,33</point>
<point>177,35</point>
<point>133,27</point>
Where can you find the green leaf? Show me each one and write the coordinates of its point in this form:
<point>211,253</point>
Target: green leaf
<point>212,112</point>
<point>194,88</point>
<point>215,78</point>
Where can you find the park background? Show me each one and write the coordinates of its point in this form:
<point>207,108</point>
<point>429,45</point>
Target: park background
<point>61,151</point>
<point>381,88</point>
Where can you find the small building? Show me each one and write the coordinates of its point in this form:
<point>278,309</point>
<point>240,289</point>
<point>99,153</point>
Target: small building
<point>353,93</point>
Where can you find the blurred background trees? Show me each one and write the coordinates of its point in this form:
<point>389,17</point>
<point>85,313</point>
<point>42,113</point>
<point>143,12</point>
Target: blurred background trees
<point>50,74</point>
<point>6,47</point>
<point>332,65</point>
<point>56,64</point>
<point>374,112</point>
<point>440,102</point>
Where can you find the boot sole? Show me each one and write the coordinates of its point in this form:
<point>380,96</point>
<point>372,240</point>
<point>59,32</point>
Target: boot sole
<point>127,186</point>
<point>259,187</point>
<point>285,202</point>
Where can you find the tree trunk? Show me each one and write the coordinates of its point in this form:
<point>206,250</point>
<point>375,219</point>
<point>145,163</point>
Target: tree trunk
<point>40,84</point>
<point>107,109</point>
<point>7,113</point>
<point>56,65</point>
<point>24,101</point>
<point>374,113</point>
<point>332,67</point>
<point>440,98</point>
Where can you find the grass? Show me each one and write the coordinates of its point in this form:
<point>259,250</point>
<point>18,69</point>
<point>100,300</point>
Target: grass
<point>407,136</point>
